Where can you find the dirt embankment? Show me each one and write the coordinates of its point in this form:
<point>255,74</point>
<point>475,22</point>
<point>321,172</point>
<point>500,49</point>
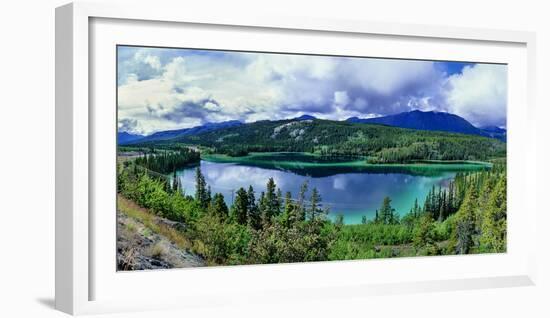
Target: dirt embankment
<point>142,246</point>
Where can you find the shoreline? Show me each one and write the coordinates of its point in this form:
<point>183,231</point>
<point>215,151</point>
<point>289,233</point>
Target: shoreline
<point>255,158</point>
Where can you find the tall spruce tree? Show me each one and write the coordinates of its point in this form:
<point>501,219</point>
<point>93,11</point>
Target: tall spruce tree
<point>176,188</point>
<point>416,209</point>
<point>434,203</point>
<point>387,214</point>
<point>263,209</point>
<point>208,197</point>
<point>254,218</point>
<point>442,206</point>
<point>280,202</point>
<point>315,209</point>
<point>271,202</point>
<point>288,218</point>
<point>301,209</point>
<point>462,237</point>
<point>450,199</point>
<point>428,203</point>
<point>218,207</point>
<point>240,208</point>
<point>493,226</point>
<point>201,194</point>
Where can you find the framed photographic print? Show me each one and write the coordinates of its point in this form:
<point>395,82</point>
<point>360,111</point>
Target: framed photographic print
<point>235,158</point>
<point>270,154</point>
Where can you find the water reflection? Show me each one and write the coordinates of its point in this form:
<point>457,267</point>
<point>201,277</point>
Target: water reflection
<point>353,193</point>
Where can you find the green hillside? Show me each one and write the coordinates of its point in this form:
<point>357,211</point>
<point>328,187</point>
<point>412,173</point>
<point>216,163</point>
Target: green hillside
<point>381,144</point>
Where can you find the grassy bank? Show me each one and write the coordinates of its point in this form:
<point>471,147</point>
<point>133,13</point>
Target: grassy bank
<point>152,222</point>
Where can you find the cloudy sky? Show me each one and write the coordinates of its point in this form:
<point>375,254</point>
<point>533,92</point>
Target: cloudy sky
<point>161,89</point>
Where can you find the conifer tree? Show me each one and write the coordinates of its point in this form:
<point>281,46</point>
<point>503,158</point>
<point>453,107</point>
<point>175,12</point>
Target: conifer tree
<point>289,214</point>
<point>450,199</point>
<point>315,209</point>
<point>423,235</point>
<point>428,202</point>
<point>264,208</point>
<point>387,213</point>
<point>254,218</point>
<point>218,207</point>
<point>463,233</point>
<point>442,205</point>
<point>122,178</point>
<point>301,210</point>
<point>135,166</point>
<point>416,209</point>
<point>208,197</point>
<point>175,183</point>
<point>271,201</point>
<point>201,194</point>
<point>493,226</point>
<point>433,203</point>
<point>240,209</point>
<point>280,203</point>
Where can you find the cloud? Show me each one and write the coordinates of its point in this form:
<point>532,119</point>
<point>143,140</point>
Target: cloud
<point>151,60</point>
<point>172,88</point>
<point>140,66</point>
<point>384,77</point>
<point>341,99</point>
<point>479,94</point>
<point>128,125</point>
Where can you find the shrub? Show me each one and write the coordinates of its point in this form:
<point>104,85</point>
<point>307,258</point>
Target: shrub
<point>157,251</point>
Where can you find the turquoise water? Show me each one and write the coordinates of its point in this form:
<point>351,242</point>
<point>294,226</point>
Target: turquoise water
<point>351,190</point>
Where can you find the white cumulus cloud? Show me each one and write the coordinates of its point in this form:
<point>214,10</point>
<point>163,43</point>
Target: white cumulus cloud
<point>479,94</point>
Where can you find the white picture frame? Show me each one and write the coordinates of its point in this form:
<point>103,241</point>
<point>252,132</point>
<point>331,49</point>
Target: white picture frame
<point>77,271</point>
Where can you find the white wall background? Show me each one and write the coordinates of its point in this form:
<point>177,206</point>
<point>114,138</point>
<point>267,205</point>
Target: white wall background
<point>27,158</point>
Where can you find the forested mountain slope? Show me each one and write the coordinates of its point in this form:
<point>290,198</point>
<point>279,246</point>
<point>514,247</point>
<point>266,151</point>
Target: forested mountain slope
<point>334,138</point>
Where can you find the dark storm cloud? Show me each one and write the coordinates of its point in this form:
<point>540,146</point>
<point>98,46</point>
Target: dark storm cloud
<point>201,109</point>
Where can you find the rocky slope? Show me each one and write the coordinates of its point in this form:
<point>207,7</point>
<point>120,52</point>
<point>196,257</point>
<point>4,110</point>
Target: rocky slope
<point>139,248</point>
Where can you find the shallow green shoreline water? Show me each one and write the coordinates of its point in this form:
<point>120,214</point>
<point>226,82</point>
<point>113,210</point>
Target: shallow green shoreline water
<point>310,162</point>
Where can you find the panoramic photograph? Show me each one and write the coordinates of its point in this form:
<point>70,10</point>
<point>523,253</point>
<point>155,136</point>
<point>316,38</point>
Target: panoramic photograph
<point>238,158</point>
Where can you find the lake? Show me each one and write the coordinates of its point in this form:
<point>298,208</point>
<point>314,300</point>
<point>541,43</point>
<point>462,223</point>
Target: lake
<point>348,187</point>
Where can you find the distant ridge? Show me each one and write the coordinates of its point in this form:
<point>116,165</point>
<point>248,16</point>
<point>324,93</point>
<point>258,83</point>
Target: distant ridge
<point>432,121</point>
<point>493,129</point>
<point>304,117</point>
<point>416,119</point>
<point>495,132</point>
<point>170,134</point>
<point>126,137</point>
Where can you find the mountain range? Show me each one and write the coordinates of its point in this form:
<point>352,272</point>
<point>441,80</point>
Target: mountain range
<point>125,138</point>
<point>433,121</point>
<point>418,120</point>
